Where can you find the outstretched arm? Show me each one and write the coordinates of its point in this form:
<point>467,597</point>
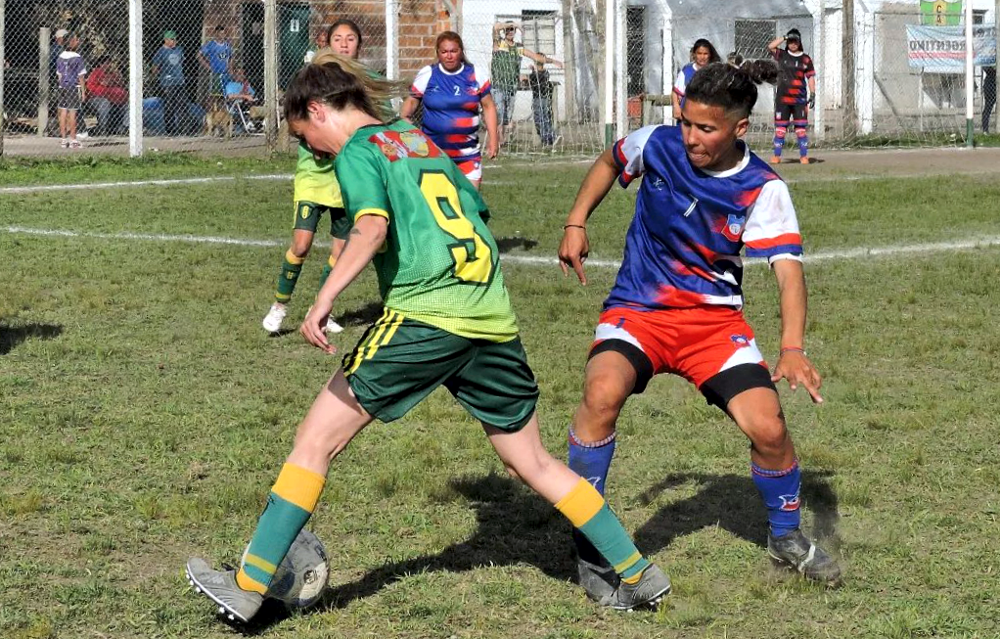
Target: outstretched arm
<point>773,45</point>
<point>541,57</point>
<point>793,364</point>
<point>363,242</point>
<point>575,246</point>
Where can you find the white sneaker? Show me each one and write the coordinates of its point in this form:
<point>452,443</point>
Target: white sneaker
<point>276,315</point>
<point>333,327</point>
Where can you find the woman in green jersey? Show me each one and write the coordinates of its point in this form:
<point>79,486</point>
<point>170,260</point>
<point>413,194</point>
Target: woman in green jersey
<point>447,322</point>
<point>316,193</point>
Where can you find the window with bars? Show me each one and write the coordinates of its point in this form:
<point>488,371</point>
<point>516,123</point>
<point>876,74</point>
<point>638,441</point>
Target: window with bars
<point>752,38</point>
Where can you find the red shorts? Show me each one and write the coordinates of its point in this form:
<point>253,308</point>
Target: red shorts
<point>472,169</point>
<point>695,343</point>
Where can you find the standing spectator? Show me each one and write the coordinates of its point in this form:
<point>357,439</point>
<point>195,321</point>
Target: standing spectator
<point>108,97</point>
<point>58,46</point>
<point>321,42</point>
<point>505,72</point>
<point>168,68</point>
<point>541,104</point>
<point>344,38</point>
<point>989,95</point>
<point>215,57</point>
<point>702,54</point>
<point>70,69</point>
<point>452,94</point>
<point>791,100</point>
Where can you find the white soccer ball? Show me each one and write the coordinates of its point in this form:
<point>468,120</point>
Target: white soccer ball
<point>302,574</point>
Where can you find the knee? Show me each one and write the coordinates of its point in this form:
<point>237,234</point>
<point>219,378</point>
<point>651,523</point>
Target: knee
<point>603,398</point>
<point>315,442</point>
<point>300,248</point>
<point>768,434</point>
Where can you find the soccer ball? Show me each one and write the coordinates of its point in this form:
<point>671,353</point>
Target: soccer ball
<point>302,574</point>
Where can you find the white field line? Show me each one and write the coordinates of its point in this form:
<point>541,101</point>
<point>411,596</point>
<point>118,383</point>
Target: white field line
<point>117,185</point>
<point>862,252</point>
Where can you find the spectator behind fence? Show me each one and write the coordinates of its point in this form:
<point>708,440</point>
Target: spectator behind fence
<point>108,97</point>
<point>321,42</point>
<point>505,72</point>
<point>989,95</point>
<point>703,53</point>
<point>452,94</point>
<point>167,66</point>
<point>541,104</point>
<point>216,58</point>
<point>791,99</point>
<point>70,93</point>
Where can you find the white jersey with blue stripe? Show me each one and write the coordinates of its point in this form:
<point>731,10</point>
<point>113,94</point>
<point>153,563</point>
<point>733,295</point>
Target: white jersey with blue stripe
<point>451,108</point>
<point>683,247</point>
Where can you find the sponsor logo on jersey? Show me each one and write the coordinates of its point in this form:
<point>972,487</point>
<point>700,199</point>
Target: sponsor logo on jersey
<point>789,502</point>
<point>740,340</point>
<point>734,227</point>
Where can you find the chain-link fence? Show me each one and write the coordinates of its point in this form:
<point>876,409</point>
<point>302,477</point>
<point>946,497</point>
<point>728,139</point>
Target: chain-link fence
<point>572,74</point>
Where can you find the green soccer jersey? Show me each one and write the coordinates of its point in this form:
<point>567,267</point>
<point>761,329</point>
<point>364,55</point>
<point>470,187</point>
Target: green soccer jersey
<point>316,181</point>
<point>440,263</point>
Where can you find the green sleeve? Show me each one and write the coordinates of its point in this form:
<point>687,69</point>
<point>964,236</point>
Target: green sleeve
<point>362,183</point>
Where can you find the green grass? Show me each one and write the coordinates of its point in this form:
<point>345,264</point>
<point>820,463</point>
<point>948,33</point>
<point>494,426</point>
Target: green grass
<point>145,414</point>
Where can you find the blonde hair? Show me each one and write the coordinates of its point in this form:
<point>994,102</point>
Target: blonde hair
<point>339,81</point>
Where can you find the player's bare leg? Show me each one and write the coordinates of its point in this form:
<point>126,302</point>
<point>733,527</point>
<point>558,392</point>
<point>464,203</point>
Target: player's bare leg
<point>291,267</point>
<point>336,248</point>
<point>776,474</point>
<point>608,382</point>
<point>334,420</point>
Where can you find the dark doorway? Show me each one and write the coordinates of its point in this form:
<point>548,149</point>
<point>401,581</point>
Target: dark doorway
<point>635,51</point>
<point>293,40</point>
<point>253,43</point>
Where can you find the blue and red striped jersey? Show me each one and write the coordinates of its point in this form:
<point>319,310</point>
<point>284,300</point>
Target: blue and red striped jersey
<point>451,108</point>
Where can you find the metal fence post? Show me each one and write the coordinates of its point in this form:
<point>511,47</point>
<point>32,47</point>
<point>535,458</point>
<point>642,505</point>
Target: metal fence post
<point>391,40</point>
<point>135,79</point>
<point>3,57</point>
<point>271,73</point>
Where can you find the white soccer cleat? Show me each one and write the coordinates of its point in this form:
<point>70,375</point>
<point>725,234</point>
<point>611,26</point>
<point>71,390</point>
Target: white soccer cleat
<point>275,316</point>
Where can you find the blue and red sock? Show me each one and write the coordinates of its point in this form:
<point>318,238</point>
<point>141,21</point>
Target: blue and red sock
<point>780,491</point>
<point>590,461</point>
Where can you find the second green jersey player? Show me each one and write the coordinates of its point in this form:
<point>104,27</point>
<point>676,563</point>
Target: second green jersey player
<point>447,322</point>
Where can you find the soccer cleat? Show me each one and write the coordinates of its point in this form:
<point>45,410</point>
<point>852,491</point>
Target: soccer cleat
<point>276,315</point>
<point>797,551</point>
<point>64,143</point>
<point>599,582</point>
<point>75,144</point>
<point>653,585</point>
<point>332,326</point>
<point>775,159</point>
<point>220,586</point>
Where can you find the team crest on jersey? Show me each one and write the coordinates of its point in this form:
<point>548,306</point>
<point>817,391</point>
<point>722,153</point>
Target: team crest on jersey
<point>404,144</point>
<point>734,227</point>
<point>740,340</point>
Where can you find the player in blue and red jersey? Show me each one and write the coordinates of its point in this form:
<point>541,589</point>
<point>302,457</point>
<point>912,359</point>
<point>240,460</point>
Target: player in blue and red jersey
<point>703,53</point>
<point>791,99</point>
<point>453,92</point>
<point>676,304</point>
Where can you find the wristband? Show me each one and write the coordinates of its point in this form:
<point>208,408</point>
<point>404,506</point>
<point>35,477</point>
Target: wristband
<point>792,349</point>
<point>574,226</point>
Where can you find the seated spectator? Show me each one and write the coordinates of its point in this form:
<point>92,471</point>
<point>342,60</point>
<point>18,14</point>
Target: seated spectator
<point>238,88</point>
<point>108,98</point>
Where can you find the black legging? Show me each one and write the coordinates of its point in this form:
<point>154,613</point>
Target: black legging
<point>989,95</point>
<point>173,105</point>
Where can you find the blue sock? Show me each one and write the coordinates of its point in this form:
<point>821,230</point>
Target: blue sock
<point>780,491</point>
<point>590,461</point>
<point>779,140</point>
<point>803,142</point>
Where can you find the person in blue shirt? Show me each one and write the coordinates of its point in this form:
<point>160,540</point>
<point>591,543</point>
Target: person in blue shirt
<point>702,53</point>
<point>453,93</point>
<point>239,90</point>
<point>216,56</point>
<point>168,68</point>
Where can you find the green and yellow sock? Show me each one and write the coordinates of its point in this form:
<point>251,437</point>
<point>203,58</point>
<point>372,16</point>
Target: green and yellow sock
<point>289,506</point>
<point>290,269</point>
<point>327,269</point>
<point>590,514</point>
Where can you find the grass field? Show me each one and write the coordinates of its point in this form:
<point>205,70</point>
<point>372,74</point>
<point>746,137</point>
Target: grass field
<point>145,413</point>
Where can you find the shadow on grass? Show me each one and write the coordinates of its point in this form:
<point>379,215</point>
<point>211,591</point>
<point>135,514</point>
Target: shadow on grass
<point>11,336</point>
<point>732,503</point>
<point>364,316</point>
<point>508,244</point>
<point>515,526</point>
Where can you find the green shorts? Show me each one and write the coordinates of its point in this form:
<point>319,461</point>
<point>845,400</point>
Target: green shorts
<point>400,361</point>
<point>308,214</point>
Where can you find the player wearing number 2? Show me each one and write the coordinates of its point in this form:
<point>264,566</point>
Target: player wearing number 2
<point>447,322</point>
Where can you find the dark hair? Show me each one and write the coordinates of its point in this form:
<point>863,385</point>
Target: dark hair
<point>793,34</point>
<point>339,82</point>
<point>734,59</point>
<point>713,55</point>
<point>351,24</point>
<point>219,27</point>
<point>733,89</point>
<point>451,36</point>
